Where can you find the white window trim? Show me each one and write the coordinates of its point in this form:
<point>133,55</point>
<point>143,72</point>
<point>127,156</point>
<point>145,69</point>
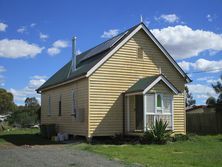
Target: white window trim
<point>158,108</point>
<point>158,114</point>
<point>165,81</point>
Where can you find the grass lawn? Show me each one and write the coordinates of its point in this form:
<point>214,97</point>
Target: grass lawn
<point>197,151</point>
<point>20,137</point>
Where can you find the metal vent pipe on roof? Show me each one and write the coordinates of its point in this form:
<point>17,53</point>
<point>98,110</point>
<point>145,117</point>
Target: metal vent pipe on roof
<point>74,53</point>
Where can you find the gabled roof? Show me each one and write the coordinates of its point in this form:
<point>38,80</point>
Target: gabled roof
<point>143,85</point>
<point>92,59</point>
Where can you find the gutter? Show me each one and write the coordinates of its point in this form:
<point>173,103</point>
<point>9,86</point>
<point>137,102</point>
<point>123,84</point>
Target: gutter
<point>57,85</point>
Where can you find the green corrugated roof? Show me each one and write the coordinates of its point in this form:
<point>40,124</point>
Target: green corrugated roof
<point>142,84</point>
<point>85,61</point>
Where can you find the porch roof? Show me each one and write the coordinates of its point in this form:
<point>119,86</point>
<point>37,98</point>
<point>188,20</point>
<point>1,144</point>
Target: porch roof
<point>145,84</point>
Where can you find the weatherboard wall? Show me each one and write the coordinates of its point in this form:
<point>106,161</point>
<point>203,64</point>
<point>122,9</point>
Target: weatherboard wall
<point>119,73</point>
<point>67,122</point>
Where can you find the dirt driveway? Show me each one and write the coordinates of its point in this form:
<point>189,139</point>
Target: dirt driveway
<point>52,156</point>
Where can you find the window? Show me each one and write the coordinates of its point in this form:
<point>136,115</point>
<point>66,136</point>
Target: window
<point>73,104</point>
<point>49,105</point>
<point>60,105</point>
<point>159,103</point>
<point>140,53</point>
<point>159,106</point>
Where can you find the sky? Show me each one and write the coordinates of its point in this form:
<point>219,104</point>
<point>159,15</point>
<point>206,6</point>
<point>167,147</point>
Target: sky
<point>35,37</point>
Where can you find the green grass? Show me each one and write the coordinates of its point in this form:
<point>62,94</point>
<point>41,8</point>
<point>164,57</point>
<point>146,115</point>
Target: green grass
<point>197,151</point>
<point>18,137</point>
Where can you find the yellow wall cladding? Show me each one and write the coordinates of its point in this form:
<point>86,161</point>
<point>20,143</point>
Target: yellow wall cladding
<point>66,122</point>
<point>119,73</point>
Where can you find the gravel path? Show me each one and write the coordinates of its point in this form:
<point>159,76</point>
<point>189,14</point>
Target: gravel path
<point>53,156</point>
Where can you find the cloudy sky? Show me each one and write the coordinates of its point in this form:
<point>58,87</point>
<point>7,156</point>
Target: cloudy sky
<point>35,37</point>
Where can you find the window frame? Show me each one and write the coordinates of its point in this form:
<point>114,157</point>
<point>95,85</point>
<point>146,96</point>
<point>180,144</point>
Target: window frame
<point>49,106</point>
<point>162,113</point>
<point>74,105</point>
<point>60,105</point>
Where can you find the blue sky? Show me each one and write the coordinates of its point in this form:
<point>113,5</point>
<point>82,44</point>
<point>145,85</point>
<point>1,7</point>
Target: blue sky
<point>35,37</point>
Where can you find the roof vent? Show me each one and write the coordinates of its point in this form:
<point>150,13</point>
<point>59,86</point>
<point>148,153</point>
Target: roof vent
<point>74,53</point>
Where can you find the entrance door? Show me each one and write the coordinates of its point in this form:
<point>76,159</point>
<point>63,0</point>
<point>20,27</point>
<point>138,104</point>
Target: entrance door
<point>139,112</point>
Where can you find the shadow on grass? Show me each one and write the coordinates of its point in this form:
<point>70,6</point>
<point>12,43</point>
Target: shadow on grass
<point>26,139</point>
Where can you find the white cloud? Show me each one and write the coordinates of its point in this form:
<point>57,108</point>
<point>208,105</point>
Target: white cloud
<point>110,33</point>
<point>3,26</point>
<point>202,65</point>
<point>2,69</point>
<point>170,18</point>
<point>29,91</point>
<point>78,52</point>
<point>32,24</point>
<point>207,65</point>
<point>60,44</point>
<point>201,91</point>
<point>184,65</point>
<point>213,81</point>
<point>209,18</point>
<point>2,78</point>
<point>204,78</point>
<point>22,29</point>
<point>53,51</point>
<point>56,47</point>
<point>184,42</point>
<point>16,48</point>
<point>43,36</point>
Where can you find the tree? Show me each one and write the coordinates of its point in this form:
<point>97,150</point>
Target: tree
<point>6,101</point>
<point>28,115</point>
<point>211,101</point>
<point>189,98</point>
<point>218,89</point>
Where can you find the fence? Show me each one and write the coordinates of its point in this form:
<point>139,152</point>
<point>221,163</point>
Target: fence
<point>204,123</point>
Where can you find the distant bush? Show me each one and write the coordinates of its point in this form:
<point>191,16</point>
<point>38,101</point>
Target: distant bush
<point>24,117</point>
<point>158,134</point>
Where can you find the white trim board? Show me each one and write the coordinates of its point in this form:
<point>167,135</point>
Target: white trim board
<point>141,26</point>
<point>156,81</point>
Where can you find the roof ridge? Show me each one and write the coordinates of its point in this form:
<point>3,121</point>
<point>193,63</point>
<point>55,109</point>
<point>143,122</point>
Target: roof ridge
<point>123,33</point>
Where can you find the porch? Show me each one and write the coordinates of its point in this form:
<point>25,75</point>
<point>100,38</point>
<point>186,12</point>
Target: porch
<point>149,99</point>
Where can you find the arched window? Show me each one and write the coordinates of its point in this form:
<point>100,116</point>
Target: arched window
<point>159,101</point>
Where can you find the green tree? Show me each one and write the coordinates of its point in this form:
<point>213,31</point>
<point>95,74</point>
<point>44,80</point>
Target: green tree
<point>218,89</point>
<point>211,101</point>
<point>189,98</point>
<point>6,101</point>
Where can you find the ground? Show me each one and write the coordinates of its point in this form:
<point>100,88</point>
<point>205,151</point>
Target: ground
<point>25,148</point>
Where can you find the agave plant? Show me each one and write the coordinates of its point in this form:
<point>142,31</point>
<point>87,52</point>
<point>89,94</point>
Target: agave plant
<point>158,133</point>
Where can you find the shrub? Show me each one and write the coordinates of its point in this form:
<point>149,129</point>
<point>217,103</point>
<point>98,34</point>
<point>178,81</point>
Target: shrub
<point>180,137</point>
<point>158,133</point>
<point>23,118</point>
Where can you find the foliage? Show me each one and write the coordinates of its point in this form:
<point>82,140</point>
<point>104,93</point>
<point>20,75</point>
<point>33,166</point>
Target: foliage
<point>27,115</point>
<point>158,133</point>
<point>189,98</point>
<point>211,101</point>
<point>6,101</point>
<point>180,137</point>
<point>218,89</point>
